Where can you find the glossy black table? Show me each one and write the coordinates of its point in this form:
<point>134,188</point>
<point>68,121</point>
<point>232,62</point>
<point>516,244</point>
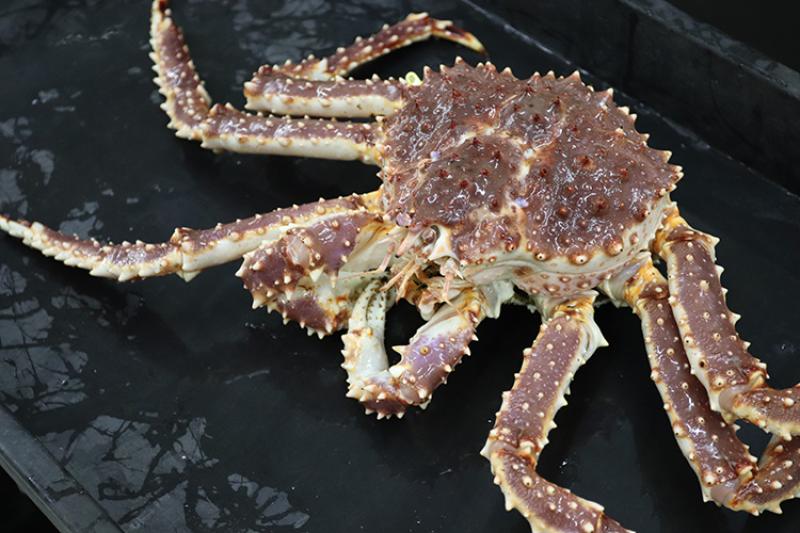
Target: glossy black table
<point>161,406</point>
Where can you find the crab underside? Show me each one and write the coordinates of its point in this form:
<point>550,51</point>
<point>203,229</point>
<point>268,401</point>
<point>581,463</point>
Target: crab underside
<point>494,190</point>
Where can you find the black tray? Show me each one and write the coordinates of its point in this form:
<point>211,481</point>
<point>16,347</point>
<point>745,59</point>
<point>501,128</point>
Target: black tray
<point>163,407</point>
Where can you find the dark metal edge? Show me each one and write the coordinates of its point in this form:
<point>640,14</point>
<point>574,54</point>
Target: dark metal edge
<point>70,508</point>
<point>730,95</point>
<point>707,36</point>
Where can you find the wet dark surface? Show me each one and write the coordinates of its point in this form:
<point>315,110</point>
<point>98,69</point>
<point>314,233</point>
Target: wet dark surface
<point>177,408</point>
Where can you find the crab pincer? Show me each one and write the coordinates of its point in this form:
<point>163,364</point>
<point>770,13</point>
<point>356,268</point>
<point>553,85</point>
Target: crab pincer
<point>430,356</point>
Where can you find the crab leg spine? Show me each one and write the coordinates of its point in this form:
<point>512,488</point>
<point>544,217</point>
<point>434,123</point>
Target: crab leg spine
<point>734,379</point>
<point>564,343</point>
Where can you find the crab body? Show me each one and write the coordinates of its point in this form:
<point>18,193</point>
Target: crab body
<point>543,180</point>
<point>494,190</point>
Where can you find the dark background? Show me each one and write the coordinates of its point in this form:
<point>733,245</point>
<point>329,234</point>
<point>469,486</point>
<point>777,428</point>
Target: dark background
<point>770,27</point>
<point>766,26</point>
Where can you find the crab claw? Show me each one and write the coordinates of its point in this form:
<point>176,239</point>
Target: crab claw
<point>434,351</point>
<point>297,273</point>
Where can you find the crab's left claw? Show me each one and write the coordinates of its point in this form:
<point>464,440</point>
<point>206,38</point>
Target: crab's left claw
<point>309,272</point>
<point>433,352</point>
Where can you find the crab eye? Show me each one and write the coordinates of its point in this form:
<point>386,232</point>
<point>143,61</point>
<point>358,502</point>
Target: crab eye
<point>430,234</point>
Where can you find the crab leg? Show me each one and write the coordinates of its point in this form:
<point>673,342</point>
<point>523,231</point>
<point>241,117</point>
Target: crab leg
<point>734,379</point>
<point>432,353</point>
<point>273,91</point>
<point>728,474</point>
<point>566,340</point>
<point>777,479</point>
<point>187,101</point>
<point>316,87</point>
<point>188,251</point>
<point>223,127</point>
<point>227,128</point>
<point>415,27</point>
<point>710,444</point>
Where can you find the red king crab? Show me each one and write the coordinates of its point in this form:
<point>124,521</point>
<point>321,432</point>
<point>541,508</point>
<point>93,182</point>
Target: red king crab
<point>494,190</point>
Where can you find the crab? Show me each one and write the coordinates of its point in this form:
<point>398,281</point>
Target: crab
<point>494,190</point>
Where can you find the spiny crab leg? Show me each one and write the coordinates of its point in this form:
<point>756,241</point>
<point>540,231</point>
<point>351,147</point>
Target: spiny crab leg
<point>566,340</point>
<point>709,443</point>
<point>734,379</point>
<point>416,27</point>
<point>224,127</point>
<point>728,474</point>
<point>432,353</point>
<point>315,86</point>
<point>271,90</point>
<point>187,101</point>
<point>777,479</point>
<point>187,252</point>
<point>227,128</point>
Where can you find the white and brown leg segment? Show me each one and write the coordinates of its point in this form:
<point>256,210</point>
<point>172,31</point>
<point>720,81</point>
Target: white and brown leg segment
<point>734,379</point>
<point>566,340</point>
<point>315,86</point>
<point>227,128</point>
<point>272,91</point>
<point>431,354</point>
<point>188,251</point>
<point>222,127</point>
<point>728,474</point>
<point>777,478</point>
<point>187,101</point>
